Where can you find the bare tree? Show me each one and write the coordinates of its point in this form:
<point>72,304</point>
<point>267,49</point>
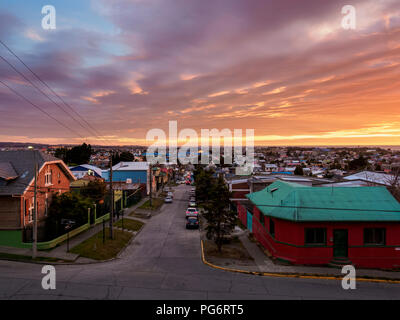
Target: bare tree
<point>393,182</point>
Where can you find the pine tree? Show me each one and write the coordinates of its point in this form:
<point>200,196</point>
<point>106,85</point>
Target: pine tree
<point>221,219</point>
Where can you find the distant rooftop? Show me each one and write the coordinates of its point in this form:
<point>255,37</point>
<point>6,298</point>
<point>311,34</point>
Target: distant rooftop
<point>370,176</point>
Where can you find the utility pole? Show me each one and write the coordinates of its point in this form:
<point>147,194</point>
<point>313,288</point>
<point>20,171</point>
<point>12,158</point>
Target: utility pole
<point>35,216</point>
<point>151,186</point>
<point>112,199</point>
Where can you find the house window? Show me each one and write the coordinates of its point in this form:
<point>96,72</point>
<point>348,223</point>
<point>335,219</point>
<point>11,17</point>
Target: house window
<point>31,209</point>
<point>375,236</point>
<point>315,236</point>
<point>261,219</point>
<point>272,227</point>
<point>46,205</point>
<point>48,177</point>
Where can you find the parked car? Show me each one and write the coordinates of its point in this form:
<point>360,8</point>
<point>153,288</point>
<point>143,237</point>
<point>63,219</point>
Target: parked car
<point>168,199</point>
<point>191,212</point>
<point>170,194</point>
<point>192,223</point>
<point>192,199</point>
<point>192,204</point>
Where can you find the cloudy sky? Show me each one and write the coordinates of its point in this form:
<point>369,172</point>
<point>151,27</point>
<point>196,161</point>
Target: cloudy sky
<point>286,69</point>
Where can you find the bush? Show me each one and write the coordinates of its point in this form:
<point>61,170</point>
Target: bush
<point>68,205</point>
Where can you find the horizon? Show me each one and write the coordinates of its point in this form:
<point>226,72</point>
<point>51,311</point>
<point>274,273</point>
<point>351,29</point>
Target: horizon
<point>290,71</point>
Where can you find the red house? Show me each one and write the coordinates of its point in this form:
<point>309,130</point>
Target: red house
<point>17,172</point>
<point>320,226</point>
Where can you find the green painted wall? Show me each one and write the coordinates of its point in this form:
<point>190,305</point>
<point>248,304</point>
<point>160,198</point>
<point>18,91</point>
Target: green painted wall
<point>11,238</point>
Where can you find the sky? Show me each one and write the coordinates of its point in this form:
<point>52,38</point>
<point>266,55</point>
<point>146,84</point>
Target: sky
<point>287,69</point>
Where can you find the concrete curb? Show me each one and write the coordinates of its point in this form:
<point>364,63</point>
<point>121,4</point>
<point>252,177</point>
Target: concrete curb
<point>293,275</point>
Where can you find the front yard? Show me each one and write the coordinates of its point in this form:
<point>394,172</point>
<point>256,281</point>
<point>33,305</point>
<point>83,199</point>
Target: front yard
<point>156,204</point>
<point>129,224</point>
<point>94,248</point>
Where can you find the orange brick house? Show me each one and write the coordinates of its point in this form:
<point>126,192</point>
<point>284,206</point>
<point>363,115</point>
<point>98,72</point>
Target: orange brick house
<point>17,186</point>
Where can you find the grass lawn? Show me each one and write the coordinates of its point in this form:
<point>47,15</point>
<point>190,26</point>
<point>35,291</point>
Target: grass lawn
<point>10,256</point>
<point>156,203</point>
<point>233,250</point>
<point>129,224</point>
<point>94,248</point>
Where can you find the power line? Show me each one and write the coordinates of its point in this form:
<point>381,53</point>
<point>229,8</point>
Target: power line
<point>41,91</point>
<point>40,109</point>
<point>97,134</point>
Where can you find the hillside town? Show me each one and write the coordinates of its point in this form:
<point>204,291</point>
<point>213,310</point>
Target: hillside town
<point>212,151</point>
<point>366,179</point>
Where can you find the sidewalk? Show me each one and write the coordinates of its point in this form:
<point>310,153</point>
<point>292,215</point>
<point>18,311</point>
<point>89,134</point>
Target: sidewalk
<point>60,252</point>
<point>265,264</point>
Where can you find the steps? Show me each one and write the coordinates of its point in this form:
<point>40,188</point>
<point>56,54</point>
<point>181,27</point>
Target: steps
<point>339,262</point>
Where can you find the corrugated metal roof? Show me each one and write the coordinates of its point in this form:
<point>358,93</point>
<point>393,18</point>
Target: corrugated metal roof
<point>128,166</point>
<point>374,177</point>
<point>296,202</point>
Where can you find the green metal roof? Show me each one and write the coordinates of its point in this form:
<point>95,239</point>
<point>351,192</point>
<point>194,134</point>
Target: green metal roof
<point>292,201</point>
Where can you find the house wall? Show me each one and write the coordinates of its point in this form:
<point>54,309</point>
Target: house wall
<point>289,242</point>
<point>9,209</point>
<point>138,176</point>
<point>60,184</point>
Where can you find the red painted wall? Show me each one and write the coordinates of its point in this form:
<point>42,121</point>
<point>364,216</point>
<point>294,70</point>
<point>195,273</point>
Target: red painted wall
<point>292,234</point>
<point>242,213</point>
<point>60,184</point>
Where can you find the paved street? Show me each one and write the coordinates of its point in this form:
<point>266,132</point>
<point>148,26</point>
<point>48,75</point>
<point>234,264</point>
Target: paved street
<point>164,262</point>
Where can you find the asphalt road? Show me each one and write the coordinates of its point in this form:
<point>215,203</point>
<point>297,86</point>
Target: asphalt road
<point>163,262</point>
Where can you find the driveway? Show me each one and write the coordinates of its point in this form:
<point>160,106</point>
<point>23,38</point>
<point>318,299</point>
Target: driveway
<point>164,262</point>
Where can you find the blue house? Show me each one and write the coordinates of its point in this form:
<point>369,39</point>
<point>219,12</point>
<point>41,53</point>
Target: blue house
<point>130,172</point>
<point>86,169</point>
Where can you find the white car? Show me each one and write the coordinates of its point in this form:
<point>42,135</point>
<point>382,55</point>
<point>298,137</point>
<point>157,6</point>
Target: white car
<point>191,212</point>
<point>168,199</point>
<point>170,194</point>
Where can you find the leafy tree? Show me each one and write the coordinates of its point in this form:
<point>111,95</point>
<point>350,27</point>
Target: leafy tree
<point>124,156</point>
<point>76,155</point>
<point>68,205</point>
<point>203,179</point>
<point>299,171</point>
<point>358,164</point>
<point>221,219</point>
<point>94,190</point>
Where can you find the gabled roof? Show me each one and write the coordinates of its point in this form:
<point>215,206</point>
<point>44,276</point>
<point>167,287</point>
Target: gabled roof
<point>23,164</point>
<point>131,166</point>
<point>7,171</point>
<point>87,167</point>
<point>296,202</point>
<point>370,176</point>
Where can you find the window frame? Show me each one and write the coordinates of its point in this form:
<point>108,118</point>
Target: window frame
<point>271,229</point>
<point>374,233</point>
<point>318,244</point>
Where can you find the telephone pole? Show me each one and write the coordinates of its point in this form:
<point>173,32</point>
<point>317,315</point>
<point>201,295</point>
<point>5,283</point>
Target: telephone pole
<point>35,216</point>
<point>151,186</point>
<point>112,199</point>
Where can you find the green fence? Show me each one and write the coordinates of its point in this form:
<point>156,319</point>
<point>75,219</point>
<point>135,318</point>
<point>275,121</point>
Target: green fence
<point>13,238</point>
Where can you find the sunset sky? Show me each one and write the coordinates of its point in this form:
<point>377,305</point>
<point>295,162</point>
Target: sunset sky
<point>286,69</point>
